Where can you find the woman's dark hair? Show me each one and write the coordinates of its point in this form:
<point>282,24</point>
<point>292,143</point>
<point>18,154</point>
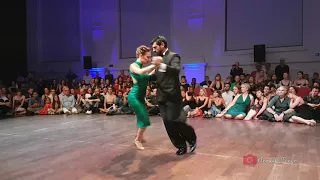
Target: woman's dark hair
<point>296,89</point>
<point>142,50</point>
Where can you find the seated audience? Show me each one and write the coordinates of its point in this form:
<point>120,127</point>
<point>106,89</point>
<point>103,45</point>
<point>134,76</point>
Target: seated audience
<point>194,84</point>
<point>278,108</point>
<point>300,81</point>
<point>302,114</point>
<point>206,83</point>
<point>52,94</point>
<point>238,107</point>
<point>88,93</point>
<point>273,90</point>
<point>267,93</point>
<point>201,104</point>
<point>316,84</point>
<point>217,83</point>
<point>236,91</point>
<point>17,103</point>
<point>261,77</point>
<point>47,109</point>
<point>285,81</point>
<point>152,103</point>
<point>109,101</point>
<point>95,102</point>
<point>45,94</point>
<point>274,81</point>
<point>236,82</point>
<point>293,90</point>
<point>35,104</point>
<point>56,105</point>
<point>229,80</point>
<point>315,77</point>
<point>243,78</point>
<point>215,104</point>
<point>68,102</point>
<point>259,106</point>
<point>5,105</point>
<point>313,101</point>
<point>227,95</point>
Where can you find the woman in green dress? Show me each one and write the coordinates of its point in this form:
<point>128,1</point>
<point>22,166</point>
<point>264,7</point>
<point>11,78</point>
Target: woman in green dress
<point>136,97</point>
<point>238,108</point>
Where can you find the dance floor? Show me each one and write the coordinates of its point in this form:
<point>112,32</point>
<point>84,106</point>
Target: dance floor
<point>101,147</point>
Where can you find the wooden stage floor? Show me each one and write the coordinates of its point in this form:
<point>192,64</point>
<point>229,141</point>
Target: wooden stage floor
<point>100,147</point>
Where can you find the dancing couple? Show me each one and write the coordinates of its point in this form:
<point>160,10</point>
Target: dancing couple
<point>165,70</point>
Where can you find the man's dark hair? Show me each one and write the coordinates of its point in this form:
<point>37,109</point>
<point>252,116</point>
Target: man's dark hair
<point>316,88</point>
<point>159,40</point>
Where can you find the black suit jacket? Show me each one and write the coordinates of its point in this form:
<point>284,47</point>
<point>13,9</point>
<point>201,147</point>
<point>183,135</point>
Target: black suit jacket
<point>168,83</point>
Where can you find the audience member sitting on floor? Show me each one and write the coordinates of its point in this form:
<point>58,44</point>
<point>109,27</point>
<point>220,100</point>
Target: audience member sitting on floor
<point>152,103</point>
<point>302,114</point>
<point>185,102</point>
<point>238,107</point>
<point>56,105</point>
<point>95,102</point>
<point>17,104</point>
<point>227,95</point>
<point>279,107</point>
<point>47,109</point>
<point>259,106</point>
<point>202,104</point>
<point>313,101</point>
<point>109,101</point>
<point>215,104</point>
<point>68,102</point>
<point>5,105</point>
<point>35,104</point>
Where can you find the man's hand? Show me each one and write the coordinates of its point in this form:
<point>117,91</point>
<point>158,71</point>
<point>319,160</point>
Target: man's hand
<point>281,117</point>
<point>156,60</point>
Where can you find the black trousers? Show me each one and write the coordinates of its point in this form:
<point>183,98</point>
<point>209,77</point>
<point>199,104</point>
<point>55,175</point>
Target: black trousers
<point>174,119</point>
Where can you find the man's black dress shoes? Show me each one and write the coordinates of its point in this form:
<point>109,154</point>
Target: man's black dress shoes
<point>181,151</point>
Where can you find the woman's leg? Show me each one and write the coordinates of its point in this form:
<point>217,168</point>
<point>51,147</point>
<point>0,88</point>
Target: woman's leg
<point>250,115</point>
<point>297,119</point>
<point>228,116</point>
<point>139,138</point>
<point>219,115</point>
<point>239,117</point>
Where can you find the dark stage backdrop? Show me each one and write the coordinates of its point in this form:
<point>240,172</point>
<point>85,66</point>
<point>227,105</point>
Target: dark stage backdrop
<point>13,43</point>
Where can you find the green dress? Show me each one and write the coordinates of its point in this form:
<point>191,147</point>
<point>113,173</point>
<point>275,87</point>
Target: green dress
<point>136,98</point>
<point>240,107</point>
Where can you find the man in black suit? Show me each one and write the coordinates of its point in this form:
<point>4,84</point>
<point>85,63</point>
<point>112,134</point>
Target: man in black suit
<point>169,97</point>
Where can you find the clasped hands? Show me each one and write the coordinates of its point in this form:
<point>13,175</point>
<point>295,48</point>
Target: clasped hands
<point>156,60</point>
<point>279,117</point>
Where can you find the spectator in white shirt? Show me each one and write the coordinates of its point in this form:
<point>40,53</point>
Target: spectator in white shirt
<point>68,102</point>
<point>227,95</point>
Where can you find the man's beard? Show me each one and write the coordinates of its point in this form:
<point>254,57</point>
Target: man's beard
<point>160,53</point>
